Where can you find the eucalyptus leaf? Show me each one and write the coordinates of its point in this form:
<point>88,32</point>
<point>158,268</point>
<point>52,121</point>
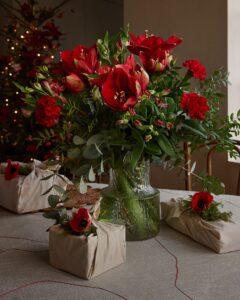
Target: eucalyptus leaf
<point>77,140</point>
<point>91,175</point>
<point>53,200</point>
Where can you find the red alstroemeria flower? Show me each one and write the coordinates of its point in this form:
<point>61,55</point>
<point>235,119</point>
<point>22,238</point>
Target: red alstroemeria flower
<point>47,111</point>
<point>194,105</point>
<point>74,83</point>
<point>81,221</point>
<point>124,85</point>
<point>11,170</point>
<point>153,51</point>
<point>196,69</point>
<point>80,60</point>
<point>201,201</point>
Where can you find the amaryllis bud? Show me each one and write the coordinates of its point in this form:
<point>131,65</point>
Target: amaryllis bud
<point>159,123</point>
<point>137,123</point>
<point>132,111</point>
<point>147,138</point>
<point>74,83</point>
<point>121,122</point>
<point>169,125</point>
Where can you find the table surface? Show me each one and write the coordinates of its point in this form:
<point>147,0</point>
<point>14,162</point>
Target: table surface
<point>170,266</point>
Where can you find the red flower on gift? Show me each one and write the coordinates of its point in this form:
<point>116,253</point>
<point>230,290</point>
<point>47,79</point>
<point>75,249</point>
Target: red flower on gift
<point>153,51</point>
<point>80,60</point>
<point>194,105</point>
<point>196,69</point>
<point>12,170</point>
<point>81,221</point>
<point>201,201</point>
<point>47,111</point>
<point>124,85</point>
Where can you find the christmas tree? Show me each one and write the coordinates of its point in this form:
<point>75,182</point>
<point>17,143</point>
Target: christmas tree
<point>30,39</point>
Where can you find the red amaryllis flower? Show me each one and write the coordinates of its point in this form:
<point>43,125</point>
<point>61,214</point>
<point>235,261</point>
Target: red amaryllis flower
<point>102,73</point>
<point>80,60</point>
<point>201,201</point>
<point>32,148</point>
<point>47,111</point>
<point>81,221</point>
<point>194,105</point>
<point>196,69</point>
<point>153,51</point>
<point>124,85</point>
<point>11,170</point>
<point>74,83</point>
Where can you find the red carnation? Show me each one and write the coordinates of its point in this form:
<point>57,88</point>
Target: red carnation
<point>153,51</point>
<point>124,85</point>
<point>197,70</point>
<point>11,170</point>
<point>81,221</point>
<point>194,105</point>
<point>47,111</point>
<point>201,201</point>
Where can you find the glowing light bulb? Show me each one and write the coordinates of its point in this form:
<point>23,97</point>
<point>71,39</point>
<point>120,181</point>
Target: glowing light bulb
<point>6,104</point>
<point>10,74</point>
<point>8,40</point>
<point>22,36</point>
<point>38,54</point>
<point>15,111</point>
<point>52,56</point>
<point>12,48</point>
<point>6,99</point>
<point>27,32</point>
<point>17,93</point>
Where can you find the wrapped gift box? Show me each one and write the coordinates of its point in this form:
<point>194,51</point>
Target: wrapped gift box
<point>25,193</point>
<point>91,256</point>
<point>220,236</point>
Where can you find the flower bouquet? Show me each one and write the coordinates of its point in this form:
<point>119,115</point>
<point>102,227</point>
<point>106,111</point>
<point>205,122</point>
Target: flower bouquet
<point>85,247</point>
<point>125,103</point>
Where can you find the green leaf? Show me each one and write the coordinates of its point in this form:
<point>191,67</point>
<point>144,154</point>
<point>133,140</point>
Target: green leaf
<point>53,200</point>
<point>58,189</point>
<point>97,139</point>
<point>91,152</point>
<point>77,140</point>
<point>166,146</point>
<point>73,153</point>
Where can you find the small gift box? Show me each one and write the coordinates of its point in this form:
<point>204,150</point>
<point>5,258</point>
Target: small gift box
<point>24,193</point>
<point>87,256</point>
<point>219,235</point>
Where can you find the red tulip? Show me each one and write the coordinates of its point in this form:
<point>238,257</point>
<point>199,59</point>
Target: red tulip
<point>74,83</point>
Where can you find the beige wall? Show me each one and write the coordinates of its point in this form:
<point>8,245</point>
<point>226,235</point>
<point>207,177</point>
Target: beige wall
<point>203,25</point>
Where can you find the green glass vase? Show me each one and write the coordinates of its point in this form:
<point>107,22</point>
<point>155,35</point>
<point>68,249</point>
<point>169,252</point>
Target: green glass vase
<point>130,200</point>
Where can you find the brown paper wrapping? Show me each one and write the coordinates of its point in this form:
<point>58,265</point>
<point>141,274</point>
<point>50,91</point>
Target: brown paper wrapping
<point>87,258</point>
<point>24,193</point>
<point>220,236</point>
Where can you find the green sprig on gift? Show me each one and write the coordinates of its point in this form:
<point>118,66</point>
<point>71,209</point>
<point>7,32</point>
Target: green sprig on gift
<point>203,204</point>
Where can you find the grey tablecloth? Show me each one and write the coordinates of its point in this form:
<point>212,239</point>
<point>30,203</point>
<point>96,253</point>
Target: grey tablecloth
<point>171,266</point>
